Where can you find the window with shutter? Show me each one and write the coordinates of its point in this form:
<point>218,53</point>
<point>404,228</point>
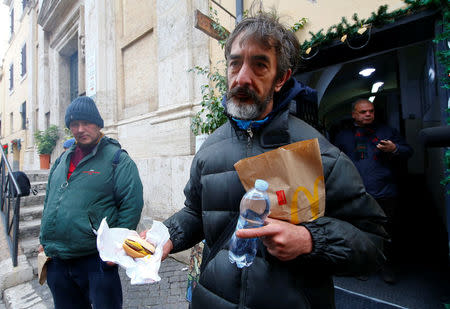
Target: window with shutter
<point>11,77</point>
<point>24,59</point>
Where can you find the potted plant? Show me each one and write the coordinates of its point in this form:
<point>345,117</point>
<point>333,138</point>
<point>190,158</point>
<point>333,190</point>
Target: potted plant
<point>46,142</point>
<point>16,143</point>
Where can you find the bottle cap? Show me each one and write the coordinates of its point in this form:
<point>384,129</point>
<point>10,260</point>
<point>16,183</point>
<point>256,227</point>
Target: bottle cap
<point>261,185</point>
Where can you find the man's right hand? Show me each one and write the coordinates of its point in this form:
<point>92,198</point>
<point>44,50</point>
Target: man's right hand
<point>283,240</point>
<point>168,246</point>
<point>40,248</point>
<point>386,146</point>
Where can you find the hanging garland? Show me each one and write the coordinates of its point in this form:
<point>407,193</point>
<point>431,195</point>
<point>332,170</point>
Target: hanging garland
<point>443,56</point>
<point>362,27</point>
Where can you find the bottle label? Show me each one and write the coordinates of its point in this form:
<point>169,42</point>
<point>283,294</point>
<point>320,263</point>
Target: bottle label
<point>281,197</point>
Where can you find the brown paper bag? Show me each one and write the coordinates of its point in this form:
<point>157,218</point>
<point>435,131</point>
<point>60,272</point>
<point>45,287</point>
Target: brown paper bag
<point>295,176</point>
<point>42,267</point>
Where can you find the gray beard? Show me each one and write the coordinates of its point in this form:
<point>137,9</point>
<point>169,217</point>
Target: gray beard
<point>245,110</point>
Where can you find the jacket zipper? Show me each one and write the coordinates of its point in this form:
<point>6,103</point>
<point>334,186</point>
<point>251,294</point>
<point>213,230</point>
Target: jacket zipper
<point>249,140</point>
<point>243,294</point>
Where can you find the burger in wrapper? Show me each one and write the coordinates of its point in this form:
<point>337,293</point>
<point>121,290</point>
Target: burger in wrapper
<point>136,247</point>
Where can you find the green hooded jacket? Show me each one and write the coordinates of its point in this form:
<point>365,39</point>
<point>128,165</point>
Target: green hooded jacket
<point>94,191</point>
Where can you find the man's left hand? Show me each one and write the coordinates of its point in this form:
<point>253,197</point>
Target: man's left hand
<point>284,240</point>
<point>386,146</point>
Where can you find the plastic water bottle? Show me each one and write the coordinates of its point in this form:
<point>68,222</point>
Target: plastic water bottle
<point>254,209</point>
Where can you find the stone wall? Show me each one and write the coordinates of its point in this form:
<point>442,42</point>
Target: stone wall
<point>154,121</point>
<point>134,61</point>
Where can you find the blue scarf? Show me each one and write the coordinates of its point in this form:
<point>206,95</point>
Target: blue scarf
<point>245,124</point>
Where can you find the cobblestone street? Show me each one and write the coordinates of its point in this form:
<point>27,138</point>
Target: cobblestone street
<point>169,293</point>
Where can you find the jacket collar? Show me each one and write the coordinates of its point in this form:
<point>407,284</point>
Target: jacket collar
<point>276,133</point>
<point>103,139</point>
<point>274,129</point>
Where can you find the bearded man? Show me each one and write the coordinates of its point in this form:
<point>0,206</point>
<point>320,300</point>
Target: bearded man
<point>294,264</point>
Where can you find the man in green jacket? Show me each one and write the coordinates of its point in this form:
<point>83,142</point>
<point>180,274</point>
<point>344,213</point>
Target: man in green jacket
<point>86,185</point>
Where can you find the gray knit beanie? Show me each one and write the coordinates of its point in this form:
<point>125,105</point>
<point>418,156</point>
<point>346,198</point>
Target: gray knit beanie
<point>83,108</point>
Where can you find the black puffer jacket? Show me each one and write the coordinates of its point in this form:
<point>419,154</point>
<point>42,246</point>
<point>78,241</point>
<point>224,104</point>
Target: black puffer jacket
<point>342,239</point>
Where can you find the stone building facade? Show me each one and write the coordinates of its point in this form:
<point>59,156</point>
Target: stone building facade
<point>18,82</point>
<point>133,59</point>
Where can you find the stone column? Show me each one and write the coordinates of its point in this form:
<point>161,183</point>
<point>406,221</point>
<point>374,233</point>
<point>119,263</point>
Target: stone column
<point>27,143</point>
<point>37,118</point>
<point>101,60</point>
<point>43,88</point>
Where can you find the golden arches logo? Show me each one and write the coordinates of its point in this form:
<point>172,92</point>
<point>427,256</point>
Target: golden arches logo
<point>313,200</point>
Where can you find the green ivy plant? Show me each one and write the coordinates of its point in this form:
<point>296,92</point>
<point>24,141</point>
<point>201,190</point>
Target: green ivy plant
<point>46,140</point>
<point>221,30</point>
<point>443,57</point>
<point>446,180</point>
<point>211,115</point>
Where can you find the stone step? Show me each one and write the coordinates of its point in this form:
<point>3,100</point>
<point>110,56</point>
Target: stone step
<point>34,264</point>
<point>40,186</point>
<point>29,247</point>
<point>11,276</point>
<point>31,212</point>
<point>37,175</point>
<point>23,296</point>
<point>29,229</point>
<point>33,199</point>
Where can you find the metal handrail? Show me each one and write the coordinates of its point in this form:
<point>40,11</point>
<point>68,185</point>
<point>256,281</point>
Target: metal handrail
<point>10,206</point>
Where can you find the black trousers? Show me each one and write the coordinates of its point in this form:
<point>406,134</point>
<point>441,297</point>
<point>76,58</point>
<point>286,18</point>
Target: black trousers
<point>389,206</point>
<point>78,283</point>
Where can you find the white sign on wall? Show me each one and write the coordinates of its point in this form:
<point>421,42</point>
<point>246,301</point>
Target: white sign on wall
<point>91,86</point>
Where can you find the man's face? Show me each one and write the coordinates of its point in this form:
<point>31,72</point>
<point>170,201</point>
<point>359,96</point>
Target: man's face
<point>251,71</point>
<point>86,134</point>
<point>364,113</point>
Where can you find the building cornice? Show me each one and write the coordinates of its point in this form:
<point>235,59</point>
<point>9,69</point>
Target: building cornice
<point>50,12</point>
<point>69,28</point>
<point>162,115</point>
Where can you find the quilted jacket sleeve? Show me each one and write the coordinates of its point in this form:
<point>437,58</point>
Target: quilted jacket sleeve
<point>348,239</point>
<point>404,151</point>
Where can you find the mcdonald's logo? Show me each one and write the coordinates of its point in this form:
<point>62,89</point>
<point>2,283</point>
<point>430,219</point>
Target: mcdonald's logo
<point>313,200</point>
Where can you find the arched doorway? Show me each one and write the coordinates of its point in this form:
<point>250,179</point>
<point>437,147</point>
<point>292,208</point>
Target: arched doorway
<point>409,100</point>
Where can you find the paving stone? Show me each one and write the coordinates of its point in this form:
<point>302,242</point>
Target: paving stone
<point>147,296</point>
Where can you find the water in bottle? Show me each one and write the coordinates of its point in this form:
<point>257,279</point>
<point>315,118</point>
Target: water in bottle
<point>254,209</point>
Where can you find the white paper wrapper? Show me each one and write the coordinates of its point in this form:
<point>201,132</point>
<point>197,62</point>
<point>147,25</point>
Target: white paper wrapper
<point>140,271</point>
